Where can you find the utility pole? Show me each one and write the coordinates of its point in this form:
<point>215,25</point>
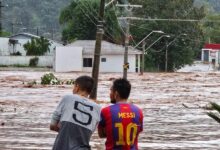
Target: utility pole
<point>166,57</point>
<point>143,51</point>
<point>127,35</point>
<point>1,17</point>
<point>97,52</point>
<point>12,28</point>
<point>126,64</point>
<point>37,31</point>
<point>52,33</point>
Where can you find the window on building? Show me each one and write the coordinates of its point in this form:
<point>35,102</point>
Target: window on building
<point>103,60</point>
<point>87,62</point>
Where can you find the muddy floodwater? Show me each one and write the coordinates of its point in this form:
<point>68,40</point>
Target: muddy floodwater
<point>173,105</point>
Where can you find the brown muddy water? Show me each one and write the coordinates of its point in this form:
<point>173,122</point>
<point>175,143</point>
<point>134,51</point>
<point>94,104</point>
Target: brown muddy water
<point>172,103</point>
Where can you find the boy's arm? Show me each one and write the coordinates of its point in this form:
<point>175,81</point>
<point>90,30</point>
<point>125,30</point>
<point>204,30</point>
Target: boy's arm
<point>54,126</point>
<point>55,121</point>
<point>101,132</point>
<point>141,120</point>
<point>101,126</point>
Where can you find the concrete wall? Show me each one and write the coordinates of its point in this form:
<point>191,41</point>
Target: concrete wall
<point>4,46</point>
<point>44,61</point>
<point>114,63</point>
<point>68,59</point>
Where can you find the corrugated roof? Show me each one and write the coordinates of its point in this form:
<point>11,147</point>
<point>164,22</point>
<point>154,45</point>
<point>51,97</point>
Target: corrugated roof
<point>107,47</point>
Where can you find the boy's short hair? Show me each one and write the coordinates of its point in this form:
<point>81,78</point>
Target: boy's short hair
<point>85,83</point>
<point>123,87</point>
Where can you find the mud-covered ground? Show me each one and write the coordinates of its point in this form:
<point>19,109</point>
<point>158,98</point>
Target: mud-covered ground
<point>173,105</point>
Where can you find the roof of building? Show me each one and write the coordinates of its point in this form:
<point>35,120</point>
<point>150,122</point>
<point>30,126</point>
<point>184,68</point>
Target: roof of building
<point>212,46</point>
<point>29,35</point>
<point>107,48</point>
<point>25,34</point>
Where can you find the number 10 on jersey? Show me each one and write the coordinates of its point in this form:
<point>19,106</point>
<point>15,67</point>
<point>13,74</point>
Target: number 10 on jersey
<point>130,138</point>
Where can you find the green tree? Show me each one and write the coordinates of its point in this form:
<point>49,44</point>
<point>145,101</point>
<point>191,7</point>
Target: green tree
<point>37,46</point>
<point>79,21</point>
<point>184,49</point>
<point>212,28</point>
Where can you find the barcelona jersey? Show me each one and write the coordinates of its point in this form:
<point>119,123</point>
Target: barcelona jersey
<point>122,122</point>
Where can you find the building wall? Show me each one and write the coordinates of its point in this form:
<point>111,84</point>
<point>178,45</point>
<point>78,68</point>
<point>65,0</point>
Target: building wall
<point>114,63</point>
<point>68,59</point>
<point>4,47</point>
<point>44,61</point>
<point>212,55</point>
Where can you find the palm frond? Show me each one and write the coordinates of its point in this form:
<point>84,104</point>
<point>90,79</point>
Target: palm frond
<point>215,106</point>
<point>213,116</point>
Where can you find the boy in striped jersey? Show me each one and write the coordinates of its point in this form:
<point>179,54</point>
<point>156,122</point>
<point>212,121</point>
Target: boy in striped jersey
<point>121,122</point>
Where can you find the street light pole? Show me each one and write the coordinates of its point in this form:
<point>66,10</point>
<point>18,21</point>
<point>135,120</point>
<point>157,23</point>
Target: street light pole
<point>148,36</point>
<point>143,49</point>
<point>167,45</point>
<point>166,57</point>
<point>156,41</point>
<point>143,60</point>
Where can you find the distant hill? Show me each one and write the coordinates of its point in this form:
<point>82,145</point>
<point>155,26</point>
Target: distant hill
<point>214,5</point>
<point>42,16</point>
<point>35,16</point>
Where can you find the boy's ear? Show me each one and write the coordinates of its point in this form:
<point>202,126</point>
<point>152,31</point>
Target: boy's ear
<point>116,95</point>
<point>76,88</point>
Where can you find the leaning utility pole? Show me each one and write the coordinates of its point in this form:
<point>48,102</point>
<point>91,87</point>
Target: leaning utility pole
<point>99,35</point>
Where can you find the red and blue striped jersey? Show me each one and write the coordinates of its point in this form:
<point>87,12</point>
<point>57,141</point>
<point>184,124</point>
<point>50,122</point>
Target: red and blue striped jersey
<point>122,123</point>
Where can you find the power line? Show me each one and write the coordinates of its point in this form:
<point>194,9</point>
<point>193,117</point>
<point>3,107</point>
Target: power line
<point>171,20</point>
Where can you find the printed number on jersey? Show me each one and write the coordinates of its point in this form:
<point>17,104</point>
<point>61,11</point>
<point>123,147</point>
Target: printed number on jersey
<point>131,133</point>
<point>78,107</point>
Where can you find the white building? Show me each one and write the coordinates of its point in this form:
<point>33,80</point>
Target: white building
<point>17,41</point>
<point>14,44</point>
<point>211,54</point>
<point>79,56</point>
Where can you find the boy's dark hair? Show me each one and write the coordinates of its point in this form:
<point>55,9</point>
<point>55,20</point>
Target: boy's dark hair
<point>123,87</point>
<point>85,83</point>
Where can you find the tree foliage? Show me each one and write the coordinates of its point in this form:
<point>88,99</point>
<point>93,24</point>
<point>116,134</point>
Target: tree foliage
<point>80,18</point>
<point>37,46</point>
<point>212,28</point>
<point>42,16</point>
<point>184,48</point>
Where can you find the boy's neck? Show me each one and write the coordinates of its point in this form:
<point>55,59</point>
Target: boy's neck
<point>83,94</point>
<point>122,101</point>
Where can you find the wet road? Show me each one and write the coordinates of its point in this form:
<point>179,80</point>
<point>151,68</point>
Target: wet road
<point>172,104</point>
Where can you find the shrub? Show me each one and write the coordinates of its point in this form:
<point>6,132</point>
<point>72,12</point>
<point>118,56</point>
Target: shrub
<point>70,82</point>
<point>33,62</point>
<point>37,46</point>
<point>16,54</point>
<point>50,79</point>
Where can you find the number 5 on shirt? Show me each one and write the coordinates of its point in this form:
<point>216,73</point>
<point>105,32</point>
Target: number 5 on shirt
<point>129,128</point>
